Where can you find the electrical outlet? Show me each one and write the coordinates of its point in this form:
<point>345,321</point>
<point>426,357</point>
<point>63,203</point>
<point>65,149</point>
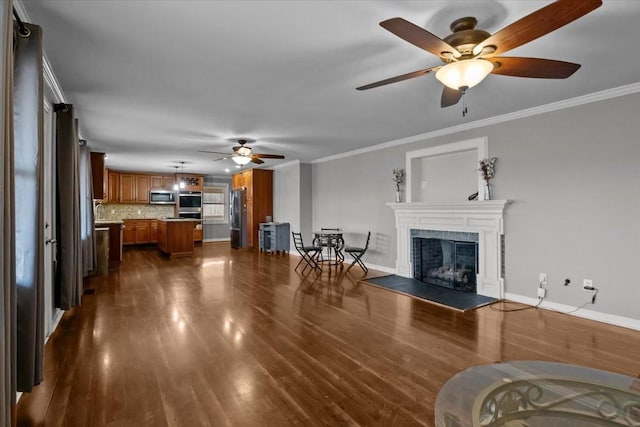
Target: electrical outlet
<point>542,279</point>
<point>113,211</point>
<point>542,292</point>
<point>139,211</point>
<point>587,284</point>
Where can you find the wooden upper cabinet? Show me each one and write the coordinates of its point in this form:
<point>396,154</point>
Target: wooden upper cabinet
<point>156,181</point>
<point>142,188</point>
<point>99,176</point>
<point>113,195</point>
<point>127,188</point>
<point>168,181</point>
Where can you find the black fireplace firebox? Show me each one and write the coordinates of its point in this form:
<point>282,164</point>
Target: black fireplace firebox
<point>448,263</point>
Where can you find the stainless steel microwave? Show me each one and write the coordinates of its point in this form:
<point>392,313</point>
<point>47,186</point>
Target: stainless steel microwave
<point>162,197</point>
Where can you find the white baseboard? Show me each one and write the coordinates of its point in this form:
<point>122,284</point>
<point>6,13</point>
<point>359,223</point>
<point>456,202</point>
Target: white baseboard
<point>612,319</point>
<point>223,239</point>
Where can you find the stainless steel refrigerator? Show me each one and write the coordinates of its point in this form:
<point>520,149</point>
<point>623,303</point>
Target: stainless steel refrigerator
<point>238,213</point>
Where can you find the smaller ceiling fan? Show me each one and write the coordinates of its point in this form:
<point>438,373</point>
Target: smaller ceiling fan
<point>470,54</point>
<point>243,154</point>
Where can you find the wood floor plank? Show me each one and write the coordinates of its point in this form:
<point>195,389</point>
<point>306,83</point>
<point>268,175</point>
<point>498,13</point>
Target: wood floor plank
<point>239,338</point>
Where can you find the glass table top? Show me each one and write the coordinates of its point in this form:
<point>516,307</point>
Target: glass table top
<point>535,393</point>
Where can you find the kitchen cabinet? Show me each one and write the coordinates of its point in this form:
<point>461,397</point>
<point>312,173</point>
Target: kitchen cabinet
<point>168,181</point>
<point>153,237</point>
<point>140,231</point>
<point>156,182</point>
<point>161,182</point>
<point>142,188</point>
<point>134,188</point>
<point>113,195</point>
<point>258,184</point>
<point>128,234</point>
<point>127,188</point>
<point>99,176</point>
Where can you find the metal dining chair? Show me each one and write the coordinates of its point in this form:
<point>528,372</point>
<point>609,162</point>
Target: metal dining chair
<point>309,254</point>
<point>356,253</point>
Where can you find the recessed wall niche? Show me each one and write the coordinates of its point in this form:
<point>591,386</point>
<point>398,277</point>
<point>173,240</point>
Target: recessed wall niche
<point>445,173</point>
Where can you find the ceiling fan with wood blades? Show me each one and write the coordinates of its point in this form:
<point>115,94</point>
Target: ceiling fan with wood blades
<point>470,54</point>
<point>243,154</point>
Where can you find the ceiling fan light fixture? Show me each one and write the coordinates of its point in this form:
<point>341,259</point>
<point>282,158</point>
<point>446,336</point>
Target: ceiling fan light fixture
<point>241,160</point>
<point>466,73</point>
<point>244,151</point>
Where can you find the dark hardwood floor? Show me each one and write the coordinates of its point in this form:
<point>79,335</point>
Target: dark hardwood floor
<point>238,338</point>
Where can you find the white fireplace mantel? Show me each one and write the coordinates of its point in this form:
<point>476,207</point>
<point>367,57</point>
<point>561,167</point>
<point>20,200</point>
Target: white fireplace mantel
<point>482,217</point>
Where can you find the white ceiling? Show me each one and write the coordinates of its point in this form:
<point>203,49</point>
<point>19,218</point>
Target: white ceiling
<point>153,82</point>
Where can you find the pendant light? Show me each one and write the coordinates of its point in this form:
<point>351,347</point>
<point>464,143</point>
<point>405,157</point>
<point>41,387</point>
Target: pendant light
<point>175,184</point>
<point>182,183</point>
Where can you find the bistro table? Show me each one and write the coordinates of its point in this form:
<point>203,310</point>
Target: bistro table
<point>331,244</point>
<point>535,393</point>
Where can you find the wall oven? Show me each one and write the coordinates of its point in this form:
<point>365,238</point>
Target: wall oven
<point>190,204</point>
<point>162,197</point>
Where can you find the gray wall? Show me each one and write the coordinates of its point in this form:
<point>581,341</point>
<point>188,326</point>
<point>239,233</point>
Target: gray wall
<point>573,176</point>
<point>292,198</point>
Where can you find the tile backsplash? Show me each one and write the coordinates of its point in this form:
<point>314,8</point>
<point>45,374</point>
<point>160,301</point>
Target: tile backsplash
<point>117,211</point>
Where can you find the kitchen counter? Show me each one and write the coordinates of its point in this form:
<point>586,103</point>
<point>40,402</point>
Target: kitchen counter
<point>108,221</point>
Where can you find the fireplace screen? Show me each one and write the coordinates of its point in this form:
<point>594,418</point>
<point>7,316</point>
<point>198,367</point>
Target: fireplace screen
<point>448,263</point>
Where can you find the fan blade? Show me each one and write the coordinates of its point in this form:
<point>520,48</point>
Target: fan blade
<point>398,78</point>
<point>268,156</point>
<point>533,67</point>
<point>537,24</point>
<point>449,97</point>
<point>256,160</point>
<point>213,152</point>
<point>419,37</point>
<point>221,158</point>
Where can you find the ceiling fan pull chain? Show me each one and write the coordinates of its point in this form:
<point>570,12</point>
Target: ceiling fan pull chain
<point>464,103</point>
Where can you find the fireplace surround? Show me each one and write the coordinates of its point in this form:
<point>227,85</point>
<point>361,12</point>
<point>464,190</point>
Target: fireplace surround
<point>482,217</point>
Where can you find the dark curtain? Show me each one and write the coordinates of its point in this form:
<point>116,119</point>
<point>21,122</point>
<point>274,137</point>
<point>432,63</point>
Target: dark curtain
<point>86,211</point>
<point>7,253</point>
<point>69,266</point>
<point>29,206</point>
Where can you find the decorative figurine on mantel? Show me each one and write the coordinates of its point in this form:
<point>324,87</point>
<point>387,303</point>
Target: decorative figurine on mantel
<point>488,172</point>
<point>398,178</point>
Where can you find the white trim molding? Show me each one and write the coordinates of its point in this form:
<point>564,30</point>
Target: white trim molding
<point>482,217</point>
<point>554,106</point>
<point>480,145</point>
<point>612,319</point>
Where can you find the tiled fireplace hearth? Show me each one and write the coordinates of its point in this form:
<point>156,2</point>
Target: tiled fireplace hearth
<point>482,217</point>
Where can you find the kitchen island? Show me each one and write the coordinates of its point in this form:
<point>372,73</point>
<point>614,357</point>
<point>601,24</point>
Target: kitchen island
<point>175,236</point>
<point>115,239</point>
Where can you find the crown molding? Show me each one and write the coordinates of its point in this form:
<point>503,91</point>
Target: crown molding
<point>286,165</point>
<point>50,78</point>
<point>554,106</point>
